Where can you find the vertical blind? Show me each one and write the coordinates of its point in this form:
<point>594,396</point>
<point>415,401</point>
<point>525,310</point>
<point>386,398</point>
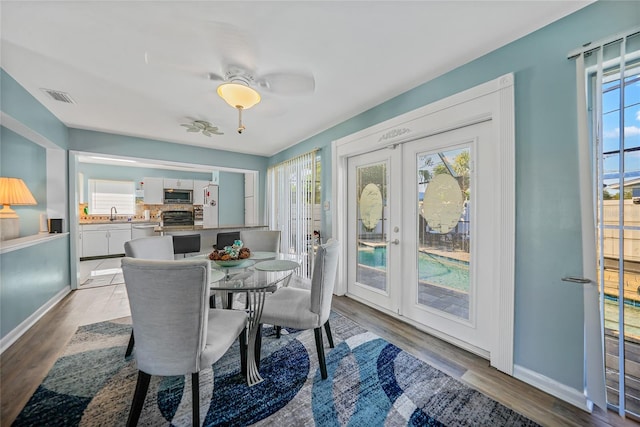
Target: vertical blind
<point>291,192</point>
<point>595,63</point>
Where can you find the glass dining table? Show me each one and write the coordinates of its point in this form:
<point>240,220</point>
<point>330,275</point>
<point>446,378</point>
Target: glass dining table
<point>253,277</point>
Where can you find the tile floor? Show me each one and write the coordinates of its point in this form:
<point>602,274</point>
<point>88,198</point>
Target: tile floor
<point>100,272</point>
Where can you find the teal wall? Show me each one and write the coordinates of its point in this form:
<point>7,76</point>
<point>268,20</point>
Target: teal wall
<point>127,173</point>
<point>231,185</point>
<point>231,199</point>
<point>31,276</point>
<point>19,104</point>
<point>548,312</point>
<point>32,169</point>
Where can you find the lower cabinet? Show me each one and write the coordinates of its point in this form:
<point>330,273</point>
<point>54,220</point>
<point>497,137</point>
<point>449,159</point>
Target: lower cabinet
<point>104,239</point>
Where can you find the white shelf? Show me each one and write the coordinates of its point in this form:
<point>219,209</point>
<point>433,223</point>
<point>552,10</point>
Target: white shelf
<point>25,242</point>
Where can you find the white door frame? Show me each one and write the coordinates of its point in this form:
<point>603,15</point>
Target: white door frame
<point>491,101</point>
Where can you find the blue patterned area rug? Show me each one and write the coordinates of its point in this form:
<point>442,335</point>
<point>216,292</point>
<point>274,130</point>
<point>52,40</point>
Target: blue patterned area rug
<point>371,383</point>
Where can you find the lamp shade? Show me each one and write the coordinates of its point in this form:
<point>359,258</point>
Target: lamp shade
<point>238,95</point>
<point>13,191</point>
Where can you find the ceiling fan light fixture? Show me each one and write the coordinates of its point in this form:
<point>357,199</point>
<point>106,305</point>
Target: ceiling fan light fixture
<point>238,95</point>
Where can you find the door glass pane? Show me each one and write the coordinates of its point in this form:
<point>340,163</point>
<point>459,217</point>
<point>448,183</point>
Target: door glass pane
<point>444,225</point>
<point>372,226</point>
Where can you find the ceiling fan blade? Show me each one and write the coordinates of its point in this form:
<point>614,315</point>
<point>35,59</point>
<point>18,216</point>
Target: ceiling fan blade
<point>288,83</point>
<point>182,66</point>
<point>233,44</point>
<point>215,77</point>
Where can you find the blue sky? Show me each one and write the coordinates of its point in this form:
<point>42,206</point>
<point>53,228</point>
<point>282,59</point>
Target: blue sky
<point>611,126</point>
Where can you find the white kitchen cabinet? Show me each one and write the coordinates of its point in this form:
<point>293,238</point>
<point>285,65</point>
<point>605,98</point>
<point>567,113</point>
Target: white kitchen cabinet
<point>182,184</point>
<point>117,237</point>
<point>153,191</point>
<point>104,239</point>
<point>198,191</point>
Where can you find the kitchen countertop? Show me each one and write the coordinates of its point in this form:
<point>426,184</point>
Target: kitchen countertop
<point>170,228</point>
<point>118,221</point>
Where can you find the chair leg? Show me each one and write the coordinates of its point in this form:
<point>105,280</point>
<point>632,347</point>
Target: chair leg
<point>229,300</point>
<point>278,328</point>
<point>243,352</point>
<point>129,346</point>
<point>195,398</point>
<point>320,348</point>
<point>142,385</point>
<point>258,346</point>
<point>212,301</point>
<point>327,329</point>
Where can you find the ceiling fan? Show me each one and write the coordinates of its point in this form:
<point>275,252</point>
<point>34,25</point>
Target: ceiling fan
<point>203,126</point>
<point>237,87</point>
<point>236,50</point>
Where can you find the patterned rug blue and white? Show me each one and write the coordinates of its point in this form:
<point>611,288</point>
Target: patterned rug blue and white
<point>371,383</point>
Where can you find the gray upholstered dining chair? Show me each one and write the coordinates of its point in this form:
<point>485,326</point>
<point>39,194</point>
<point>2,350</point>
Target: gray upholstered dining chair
<point>154,247</point>
<point>307,309</point>
<point>176,331</point>
<point>261,240</point>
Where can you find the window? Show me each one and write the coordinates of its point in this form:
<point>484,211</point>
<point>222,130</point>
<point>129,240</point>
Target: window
<point>295,205</point>
<point>105,194</point>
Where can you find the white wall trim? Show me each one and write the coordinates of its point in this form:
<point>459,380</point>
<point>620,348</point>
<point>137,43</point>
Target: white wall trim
<point>423,122</point>
<point>26,132</point>
<point>553,387</point>
<point>26,324</point>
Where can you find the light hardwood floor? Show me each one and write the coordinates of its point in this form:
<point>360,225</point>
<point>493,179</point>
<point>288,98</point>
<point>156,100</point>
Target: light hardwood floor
<point>25,364</point>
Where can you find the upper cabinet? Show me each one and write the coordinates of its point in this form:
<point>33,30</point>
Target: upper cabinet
<point>153,191</point>
<point>182,184</point>
<point>198,191</point>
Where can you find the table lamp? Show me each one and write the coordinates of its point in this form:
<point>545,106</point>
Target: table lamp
<point>13,191</point>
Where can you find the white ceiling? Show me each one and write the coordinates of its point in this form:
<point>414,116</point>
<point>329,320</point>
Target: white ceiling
<point>360,53</point>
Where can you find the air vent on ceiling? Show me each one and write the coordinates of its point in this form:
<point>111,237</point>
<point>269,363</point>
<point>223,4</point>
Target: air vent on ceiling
<point>59,96</point>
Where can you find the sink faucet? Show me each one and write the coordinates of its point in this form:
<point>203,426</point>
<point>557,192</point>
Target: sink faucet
<point>113,210</point>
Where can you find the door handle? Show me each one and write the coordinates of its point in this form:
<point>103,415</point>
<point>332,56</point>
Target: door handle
<point>395,242</point>
<point>574,279</point>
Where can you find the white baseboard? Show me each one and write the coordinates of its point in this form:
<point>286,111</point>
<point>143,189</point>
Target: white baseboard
<point>23,327</point>
<point>563,392</point>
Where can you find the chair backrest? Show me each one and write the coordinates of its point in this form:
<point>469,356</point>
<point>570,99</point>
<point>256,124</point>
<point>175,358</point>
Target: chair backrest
<point>156,247</point>
<point>226,239</point>
<point>261,240</point>
<point>323,278</point>
<point>186,244</point>
<point>170,321</point>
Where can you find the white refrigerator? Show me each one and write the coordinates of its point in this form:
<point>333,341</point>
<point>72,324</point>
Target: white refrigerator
<point>210,207</point>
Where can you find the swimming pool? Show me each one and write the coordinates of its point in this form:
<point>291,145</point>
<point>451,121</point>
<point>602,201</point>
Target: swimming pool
<point>434,269</point>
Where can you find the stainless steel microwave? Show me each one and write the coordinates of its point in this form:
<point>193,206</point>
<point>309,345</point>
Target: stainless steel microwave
<point>177,196</point>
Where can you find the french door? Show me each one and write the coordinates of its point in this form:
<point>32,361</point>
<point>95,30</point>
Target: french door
<point>416,214</point>
<point>374,233</point>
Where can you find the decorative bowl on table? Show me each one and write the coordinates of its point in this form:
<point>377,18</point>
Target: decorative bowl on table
<point>230,256</point>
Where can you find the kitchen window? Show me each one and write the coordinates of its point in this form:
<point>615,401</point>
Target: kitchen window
<point>105,194</point>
